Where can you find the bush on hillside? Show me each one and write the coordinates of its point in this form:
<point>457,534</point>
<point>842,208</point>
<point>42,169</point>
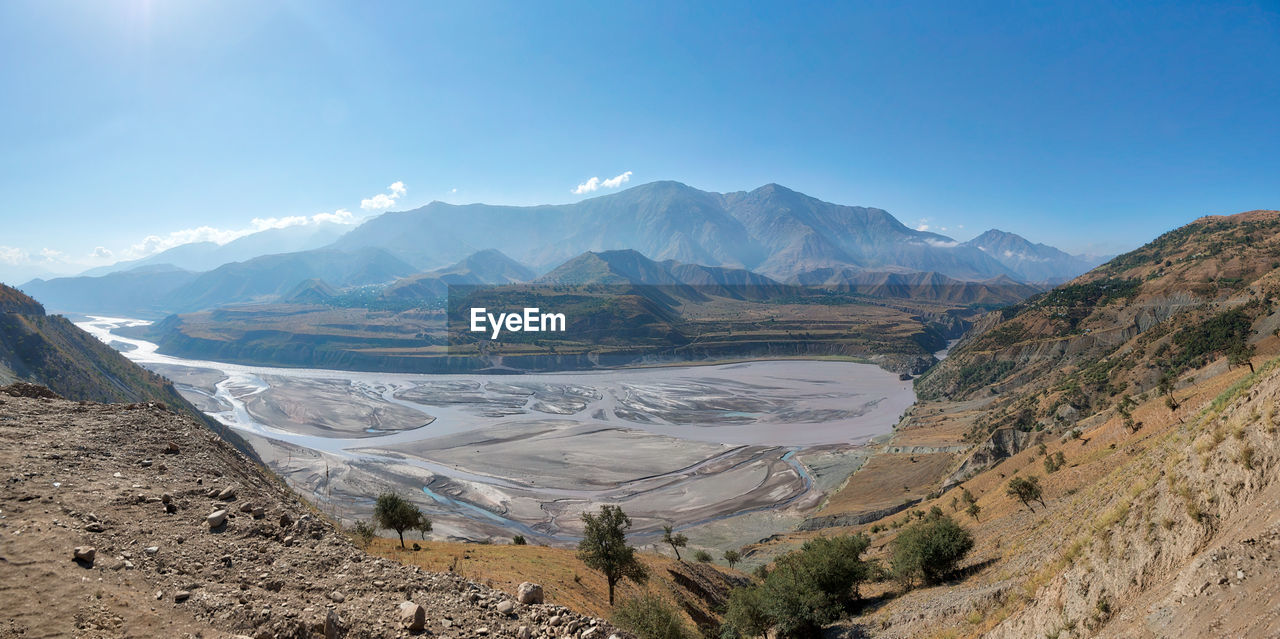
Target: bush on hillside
<point>929,550</point>
<point>651,617</point>
<point>806,590</point>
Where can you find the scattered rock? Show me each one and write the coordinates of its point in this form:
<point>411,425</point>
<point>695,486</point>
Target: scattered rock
<point>412,616</point>
<point>216,518</point>
<point>524,633</point>
<point>171,449</point>
<point>181,596</point>
<point>529,593</point>
<point>85,554</point>
<point>337,597</point>
<point>505,607</point>
<point>95,527</point>
<point>151,550</point>
<point>227,494</point>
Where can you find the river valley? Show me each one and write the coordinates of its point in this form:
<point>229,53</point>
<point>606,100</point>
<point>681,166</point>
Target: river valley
<point>730,452</point>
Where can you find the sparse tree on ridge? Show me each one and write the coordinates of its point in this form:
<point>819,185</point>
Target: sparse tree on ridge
<point>1242,355</point>
<point>675,540</point>
<point>396,513</point>
<point>1026,490</point>
<point>1166,389</point>
<point>732,557</point>
<point>604,547</point>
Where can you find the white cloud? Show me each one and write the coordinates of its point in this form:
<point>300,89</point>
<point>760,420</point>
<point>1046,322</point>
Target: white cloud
<point>13,256</point>
<point>50,255</point>
<point>153,244</point>
<point>101,253</point>
<point>941,243</point>
<point>384,200</point>
<point>595,183</point>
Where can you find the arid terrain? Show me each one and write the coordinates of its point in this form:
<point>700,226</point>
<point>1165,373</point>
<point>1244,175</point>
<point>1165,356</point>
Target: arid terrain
<point>133,489</point>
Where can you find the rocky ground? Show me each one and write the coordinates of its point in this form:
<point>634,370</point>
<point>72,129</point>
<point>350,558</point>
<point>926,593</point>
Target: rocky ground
<point>133,521</point>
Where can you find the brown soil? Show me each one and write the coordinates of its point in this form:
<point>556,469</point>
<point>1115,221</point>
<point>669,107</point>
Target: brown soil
<point>79,474</point>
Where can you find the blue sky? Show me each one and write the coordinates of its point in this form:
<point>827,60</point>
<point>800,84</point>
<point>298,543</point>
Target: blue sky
<point>1079,124</point>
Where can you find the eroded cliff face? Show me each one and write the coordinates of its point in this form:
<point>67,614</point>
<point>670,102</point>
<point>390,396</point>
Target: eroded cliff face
<point>1188,545</point>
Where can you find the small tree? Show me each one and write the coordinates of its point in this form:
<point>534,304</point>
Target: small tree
<point>396,513</point>
<point>1166,388</point>
<point>604,547</point>
<point>702,556</point>
<point>518,540</point>
<point>1125,409</point>
<point>675,540</point>
<point>732,557</point>
<point>1054,462</point>
<point>423,527</point>
<point>929,550</point>
<point>1241,354</point>
<point>1026,490</point>
<point>973,510</point>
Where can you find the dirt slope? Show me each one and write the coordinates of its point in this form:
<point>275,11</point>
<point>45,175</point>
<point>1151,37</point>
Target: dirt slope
<point>80,475</point>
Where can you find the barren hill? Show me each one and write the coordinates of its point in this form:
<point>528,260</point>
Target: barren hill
<point>134,489</point>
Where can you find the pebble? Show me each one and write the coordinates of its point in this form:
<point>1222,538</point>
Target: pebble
<point>337,597</point>
<point>505,607</point>
<point>181,596</point>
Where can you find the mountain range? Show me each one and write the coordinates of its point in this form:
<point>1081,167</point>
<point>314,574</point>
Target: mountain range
<point>770,232</point>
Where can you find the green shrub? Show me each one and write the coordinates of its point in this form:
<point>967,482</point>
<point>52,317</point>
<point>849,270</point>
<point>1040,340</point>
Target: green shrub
<point>651,617</point>
<point>929,550</point>
<point>702,556</point>
<point>806,590</point>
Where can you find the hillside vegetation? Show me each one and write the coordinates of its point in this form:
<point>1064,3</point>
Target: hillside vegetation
<point>1119,479</point>
<point>50,350</point>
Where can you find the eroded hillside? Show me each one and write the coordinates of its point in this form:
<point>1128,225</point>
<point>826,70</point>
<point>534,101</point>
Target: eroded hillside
<point>133,521</point>
<point>1143,399</point>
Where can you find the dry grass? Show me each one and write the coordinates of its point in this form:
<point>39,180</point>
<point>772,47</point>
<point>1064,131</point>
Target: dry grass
<point>564,579</point>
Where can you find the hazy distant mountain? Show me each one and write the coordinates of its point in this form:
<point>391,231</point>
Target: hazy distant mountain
<point>1032,262</point>
<point>133,293</point>
<point>921,286</point>
<point>311,291</point>
<point>771,230</point>
<point>271,277</point>
<point>610,268</point>
<point>206,256</point>
<point>485,267</point>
